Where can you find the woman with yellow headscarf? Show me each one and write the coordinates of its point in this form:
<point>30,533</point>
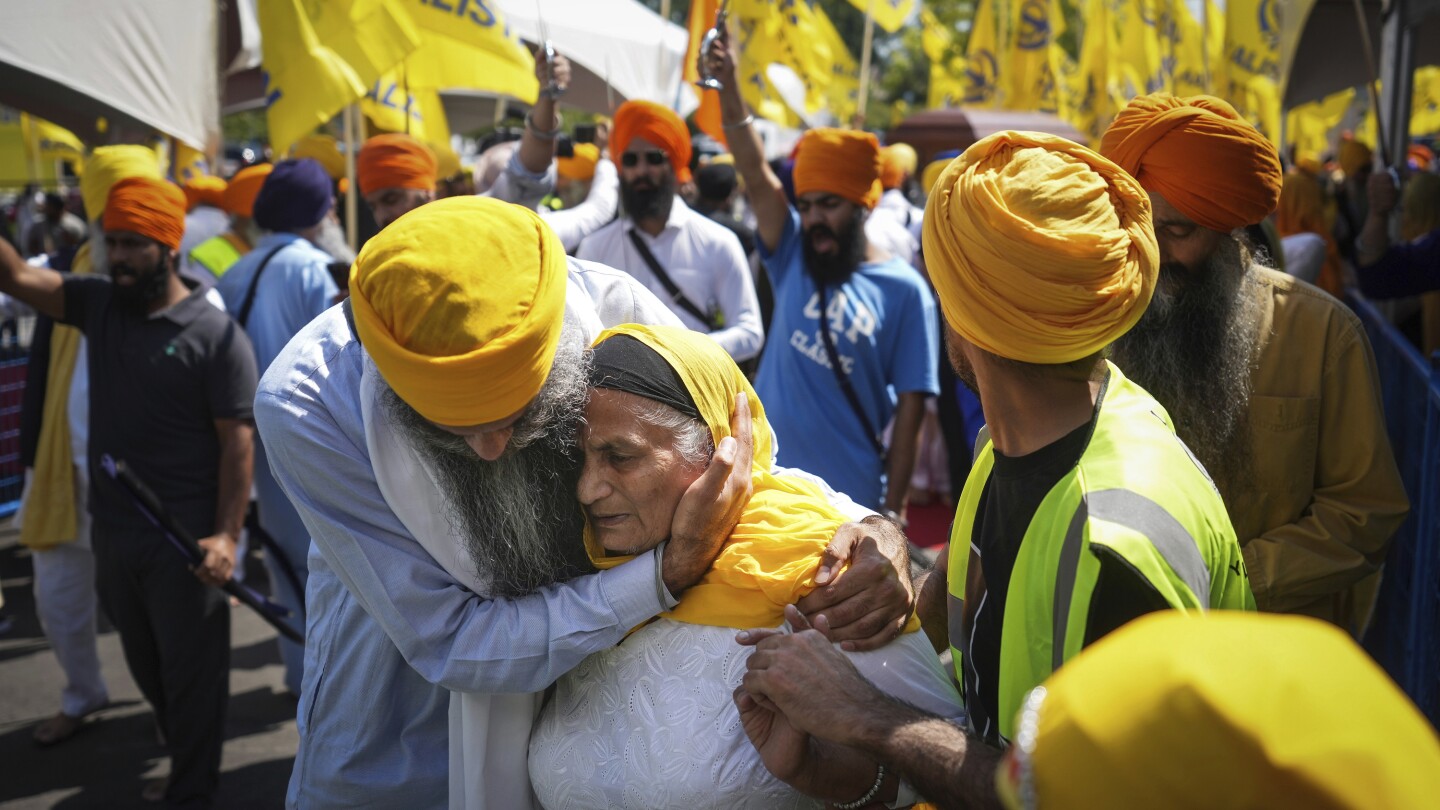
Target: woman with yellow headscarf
<point>651,722</point>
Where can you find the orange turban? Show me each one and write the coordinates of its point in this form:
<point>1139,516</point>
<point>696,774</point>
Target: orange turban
<point>1041,250</point>
<point>1302,210</point>
<point>395,161</point>
<point>460,303</point>
<point>582,165</point>
<point>1200,155</point>
<point>657,124</point>
<point>897,162</point>
<point>205,189</point>
<point>1354,156</point>
<point>148,206</point>
<point>244,188</point>
<point>842,162</point>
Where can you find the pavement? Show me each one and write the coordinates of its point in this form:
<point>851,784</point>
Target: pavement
<point>106,764</point>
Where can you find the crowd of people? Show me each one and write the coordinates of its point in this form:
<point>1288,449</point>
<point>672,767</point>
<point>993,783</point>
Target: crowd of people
<point>587,478</point>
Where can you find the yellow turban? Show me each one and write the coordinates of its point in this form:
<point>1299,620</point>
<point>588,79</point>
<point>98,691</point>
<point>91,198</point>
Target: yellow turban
<point>582,165</point>
<point>1041,250</point>
<point>839,161</point>
<point>1200,155</point>
<point>1236,710</point>
<point>1354,156</point>
<point>323,149</point>
<point>770,558</point>
<point>459,303</point>
<point>109,165</point>
<point>897,162</point>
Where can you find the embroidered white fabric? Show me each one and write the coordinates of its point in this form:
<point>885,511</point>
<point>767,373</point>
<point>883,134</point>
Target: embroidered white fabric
<point>651,722</point>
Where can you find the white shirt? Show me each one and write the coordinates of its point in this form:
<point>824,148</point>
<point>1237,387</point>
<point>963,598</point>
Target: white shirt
<point>201,224</point>
<point>574,224</point>
<point>707,264</point>
<point>894,226</point>
<point>1304,255</point>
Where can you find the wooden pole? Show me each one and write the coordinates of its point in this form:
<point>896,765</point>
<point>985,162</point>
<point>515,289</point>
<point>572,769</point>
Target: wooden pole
<point>865,62</point>
<point>1373,85</point>
<point>351,209</point>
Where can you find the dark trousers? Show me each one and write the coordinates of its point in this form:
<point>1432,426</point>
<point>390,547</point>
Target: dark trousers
<point>176,636</point>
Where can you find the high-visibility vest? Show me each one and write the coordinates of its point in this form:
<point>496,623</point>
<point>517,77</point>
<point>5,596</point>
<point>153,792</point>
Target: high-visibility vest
<point>1138,492</point>
<point>218,253</point>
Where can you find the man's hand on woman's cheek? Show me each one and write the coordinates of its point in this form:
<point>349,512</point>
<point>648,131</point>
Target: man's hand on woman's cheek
<point>711,507</point>
<point>868,606</point>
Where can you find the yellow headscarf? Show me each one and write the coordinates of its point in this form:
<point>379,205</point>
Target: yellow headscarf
<point>770,559</point>
<point>459,303</point>
<point>1233,710</point>
<point>325,150</point>
<point>1041,250</point>
<point>50,518</point>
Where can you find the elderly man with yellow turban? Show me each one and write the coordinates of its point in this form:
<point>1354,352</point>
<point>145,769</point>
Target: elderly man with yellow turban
<point>1270,381</point>
<point>424,430</point>
<point>172,381</point>
<point>1083,510</point>
<point>694,264</point>
<point>854,337</point>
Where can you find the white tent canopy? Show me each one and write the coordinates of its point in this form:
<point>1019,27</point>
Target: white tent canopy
<point>142,64</point>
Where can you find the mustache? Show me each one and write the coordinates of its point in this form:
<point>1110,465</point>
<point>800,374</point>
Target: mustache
<point>820,230</point>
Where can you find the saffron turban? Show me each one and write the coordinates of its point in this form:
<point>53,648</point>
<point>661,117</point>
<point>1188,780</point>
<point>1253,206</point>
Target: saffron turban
<point>296,196</point>
<point>150,206</point>
<point>108,165</point>
<point>897,162</point>
<point>1302,210</point>
<point>459,303</point>
<point>1041,250</point>
<point>1235,710</point>
<point>395,161</point>
<point>842,162</point>
<point>323,149</point>
<point>657,124</point>
<point>1354,156</point>
<point>205,189</point>
<point>244,188</point>
<point>582,165</point>
<point>770,558</point>
<point>1200,155</point>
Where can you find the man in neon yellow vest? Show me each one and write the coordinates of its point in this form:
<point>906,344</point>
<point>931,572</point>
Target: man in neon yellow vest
<point>218,254</point>
<point>1083,510</point>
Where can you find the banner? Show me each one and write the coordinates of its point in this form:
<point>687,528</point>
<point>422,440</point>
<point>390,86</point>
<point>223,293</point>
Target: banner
<point>321,56</point>
<point>418,113</point>
<point>797,40</point>
<point>30,148</point>
<point>888,14</point>
<point>1252,62</point>
<point>468,44</point>
<point>984,54</point>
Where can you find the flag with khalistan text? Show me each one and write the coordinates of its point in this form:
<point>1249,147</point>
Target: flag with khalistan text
<point>393,107</point>
<point>1252,62</point>
<point>468,45</point>
<point>322,55</point>
<point>888,14</point>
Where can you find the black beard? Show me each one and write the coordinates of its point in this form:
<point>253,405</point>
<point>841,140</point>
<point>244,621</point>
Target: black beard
<point>1193,350</point>
<point>521,522</point>
<point>149,285</point>
<point>837,267</point>
<point>650,202</point>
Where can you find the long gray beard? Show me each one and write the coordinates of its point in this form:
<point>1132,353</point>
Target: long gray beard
<point>1193,351</point>
<point>518,515</point>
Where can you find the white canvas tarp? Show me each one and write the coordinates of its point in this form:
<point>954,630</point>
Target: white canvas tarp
<point>141,64</point>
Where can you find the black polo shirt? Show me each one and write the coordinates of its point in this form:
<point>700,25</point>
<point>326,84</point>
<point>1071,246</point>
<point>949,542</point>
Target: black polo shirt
<point>157,385</point>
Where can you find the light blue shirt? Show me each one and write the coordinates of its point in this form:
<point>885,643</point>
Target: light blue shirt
<point>883,323</point>
<point>388,630</point>
<point>294,287</point>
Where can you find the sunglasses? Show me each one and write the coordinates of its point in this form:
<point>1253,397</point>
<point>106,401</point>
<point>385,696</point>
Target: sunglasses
<point>654,157</point>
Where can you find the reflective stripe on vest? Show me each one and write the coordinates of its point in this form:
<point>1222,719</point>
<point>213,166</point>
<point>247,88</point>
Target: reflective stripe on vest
<point>216,254</point>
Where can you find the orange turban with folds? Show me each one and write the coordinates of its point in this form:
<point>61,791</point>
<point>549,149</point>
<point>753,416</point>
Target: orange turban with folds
<point>657,124</point>
<point>244,188</point>
<point>395,161</point>
<point>459,303</point>
<point>897,162</point>
<point>148,206</point>
<point>1041,250</point>
<point>842,162</point>
<point>205,189</point>
<point>1200,155</point>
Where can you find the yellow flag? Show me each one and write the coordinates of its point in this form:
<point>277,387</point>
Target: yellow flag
<point>1308,127</point>
<point>418,112</point>
<point>843,95</point>
<point>1425,104</point>
<point>29,148</point>
<point>1027,79</point>
<point>321,55</point>
<point>799,38</point>
<point>1252,62</point>
<point>984,54</point>
<point>1092,89</point>
<point>888,14</point>
<point>468,44</point>
<point>189,163</point>
<point>947,72</point>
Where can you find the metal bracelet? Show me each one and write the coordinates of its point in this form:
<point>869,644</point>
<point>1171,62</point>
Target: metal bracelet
<point>869,794</point>
<point>542,134</point>
<point>743,122</point>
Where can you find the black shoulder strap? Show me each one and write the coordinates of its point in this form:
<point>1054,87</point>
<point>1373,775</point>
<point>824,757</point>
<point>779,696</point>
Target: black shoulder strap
<point>244,314</point>
<point>845,386</point>
<point>676,294</point>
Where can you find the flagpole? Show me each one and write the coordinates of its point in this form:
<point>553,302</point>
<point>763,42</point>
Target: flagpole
<point>865,62</point>
<point>351,211</point>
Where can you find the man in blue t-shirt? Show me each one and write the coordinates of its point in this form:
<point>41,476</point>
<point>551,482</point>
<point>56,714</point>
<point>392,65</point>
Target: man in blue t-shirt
<point>839,301</point>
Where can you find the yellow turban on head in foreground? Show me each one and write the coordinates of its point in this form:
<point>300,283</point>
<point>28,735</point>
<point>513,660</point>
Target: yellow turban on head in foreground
<point>1041,250</point>
<point>897,162</point>
<point>842,162</point>
<point>1200,155</point>
<point>770,558</point>
<point>1236,710</point>
<point>108,165</point>
<point>460,303</point>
